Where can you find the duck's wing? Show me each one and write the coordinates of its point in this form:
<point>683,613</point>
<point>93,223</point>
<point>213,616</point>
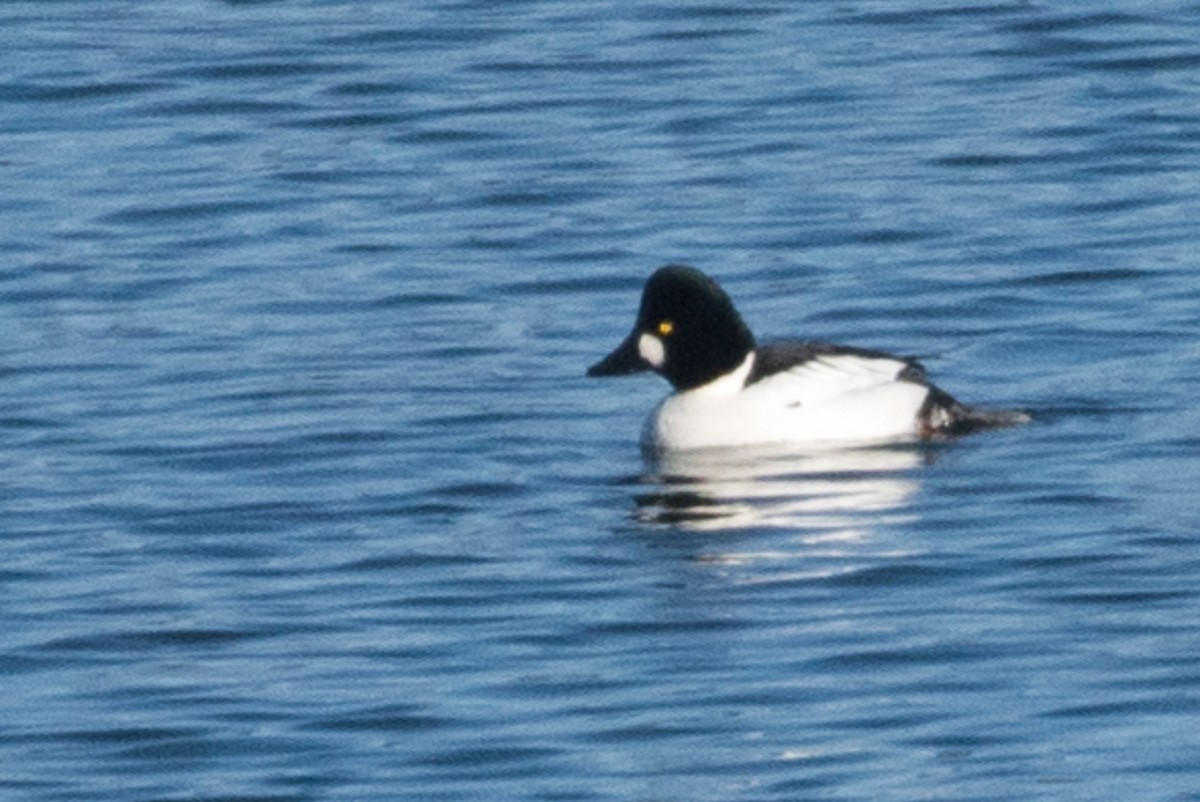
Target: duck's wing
<point>815,372</point>
<point>811,374</point>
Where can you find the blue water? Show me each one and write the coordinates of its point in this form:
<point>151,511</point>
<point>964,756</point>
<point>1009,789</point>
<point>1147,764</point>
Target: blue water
<point>304,495</point>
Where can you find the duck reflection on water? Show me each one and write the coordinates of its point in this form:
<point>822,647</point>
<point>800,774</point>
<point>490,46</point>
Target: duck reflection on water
<point>828,493</point>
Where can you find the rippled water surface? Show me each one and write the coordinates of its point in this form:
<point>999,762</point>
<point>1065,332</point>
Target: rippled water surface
<point>305,497</point>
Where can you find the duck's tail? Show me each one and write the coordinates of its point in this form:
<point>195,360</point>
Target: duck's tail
<point>943,416</point>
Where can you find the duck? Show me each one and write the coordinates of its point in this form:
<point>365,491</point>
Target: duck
<point>731,391</point>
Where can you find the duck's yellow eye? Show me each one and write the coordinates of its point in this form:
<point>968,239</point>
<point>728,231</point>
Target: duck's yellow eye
<point>666,327</point>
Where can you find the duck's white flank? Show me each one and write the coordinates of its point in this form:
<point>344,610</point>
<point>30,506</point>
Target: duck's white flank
<point>847,397</point>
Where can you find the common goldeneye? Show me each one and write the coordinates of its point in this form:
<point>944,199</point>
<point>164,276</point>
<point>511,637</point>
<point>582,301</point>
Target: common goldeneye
<point>730,391</point>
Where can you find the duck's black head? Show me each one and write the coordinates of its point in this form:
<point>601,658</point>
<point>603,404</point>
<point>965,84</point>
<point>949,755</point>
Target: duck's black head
<point>687,330</point>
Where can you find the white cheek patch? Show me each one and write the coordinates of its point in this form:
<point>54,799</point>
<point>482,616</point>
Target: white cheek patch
<point>651,350</point>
